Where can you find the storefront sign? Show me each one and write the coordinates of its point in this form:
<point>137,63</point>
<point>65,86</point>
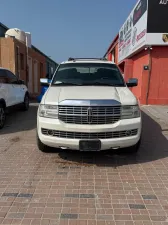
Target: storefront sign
<point>133,33</point>
<point>146,25</point>
<point>163,2</point>
<point>157,27</point>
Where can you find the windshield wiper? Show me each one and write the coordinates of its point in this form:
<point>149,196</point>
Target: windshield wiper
<point>103,84</point>
<point>66,84</point>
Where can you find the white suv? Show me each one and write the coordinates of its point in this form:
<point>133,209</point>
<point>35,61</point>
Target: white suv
<point>12,92</point>
<point>89,107</point>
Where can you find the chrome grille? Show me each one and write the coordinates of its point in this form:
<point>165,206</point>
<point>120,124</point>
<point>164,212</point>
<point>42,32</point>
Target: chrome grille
<point>82,135</point>
<point>100,114</point>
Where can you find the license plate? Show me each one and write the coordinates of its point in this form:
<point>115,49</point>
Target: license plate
<point>90,145</point>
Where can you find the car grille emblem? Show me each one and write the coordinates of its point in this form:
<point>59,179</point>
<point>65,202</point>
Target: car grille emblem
<point>89,115</point>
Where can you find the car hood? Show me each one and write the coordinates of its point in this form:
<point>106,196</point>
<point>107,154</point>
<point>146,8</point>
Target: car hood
<point>55,95</point>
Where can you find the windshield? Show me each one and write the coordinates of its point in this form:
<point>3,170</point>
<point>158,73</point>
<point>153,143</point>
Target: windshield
<point>88,74</point>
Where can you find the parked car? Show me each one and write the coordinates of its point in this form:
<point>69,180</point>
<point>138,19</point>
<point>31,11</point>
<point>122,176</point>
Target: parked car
<point>12,92</point>
<point>89,107</point>
<point>44,87</point>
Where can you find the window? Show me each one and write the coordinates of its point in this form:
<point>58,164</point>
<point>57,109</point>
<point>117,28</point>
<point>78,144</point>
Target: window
<point>21,61</point>
<point>3,77</point>
<point>88,74</point>
<point>12,79</point>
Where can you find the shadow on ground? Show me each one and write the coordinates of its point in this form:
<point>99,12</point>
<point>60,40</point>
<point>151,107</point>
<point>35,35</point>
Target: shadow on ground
<point>154,146</point>
<point>154,143</point>
<point>18,120</point>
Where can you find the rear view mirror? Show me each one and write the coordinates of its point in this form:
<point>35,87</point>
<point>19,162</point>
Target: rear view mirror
<point>133,82</point>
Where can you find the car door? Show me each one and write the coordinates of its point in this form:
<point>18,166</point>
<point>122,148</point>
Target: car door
<point>15,87</point>
<point>5,89</point>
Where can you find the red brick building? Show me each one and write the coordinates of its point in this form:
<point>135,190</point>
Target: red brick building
<point>23,59</point>
<point>141,50</point>
<point>13,56</point>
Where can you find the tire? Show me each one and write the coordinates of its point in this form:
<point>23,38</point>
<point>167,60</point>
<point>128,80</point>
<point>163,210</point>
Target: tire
<point>42,147</point>
<point>2,116</point>
<point>25,105</point>
<point>134,149</point>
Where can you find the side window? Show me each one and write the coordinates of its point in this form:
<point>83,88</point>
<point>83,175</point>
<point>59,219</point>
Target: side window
<point>12,79</point>
<point>3,77</point>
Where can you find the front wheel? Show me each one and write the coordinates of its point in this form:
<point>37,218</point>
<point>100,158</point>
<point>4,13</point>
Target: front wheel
<point>2,116</point>
<point>25,105</point>
<point>42,147</point>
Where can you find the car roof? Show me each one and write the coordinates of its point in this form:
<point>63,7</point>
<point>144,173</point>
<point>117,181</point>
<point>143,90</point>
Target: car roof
<point>87,60</point>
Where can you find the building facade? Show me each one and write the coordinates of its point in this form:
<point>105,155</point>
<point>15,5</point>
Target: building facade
<point>140,49</point>
<point>13,56</point>
<point>28,63</point>
<point>51,65</point>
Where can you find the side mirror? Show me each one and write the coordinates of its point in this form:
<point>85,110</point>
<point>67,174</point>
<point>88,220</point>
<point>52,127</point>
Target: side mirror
<point>133,82</point>
<point>21,82</point>
<point>45,81</point>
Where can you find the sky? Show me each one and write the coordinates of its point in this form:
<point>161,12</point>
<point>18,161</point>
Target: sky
<point>68,28</point>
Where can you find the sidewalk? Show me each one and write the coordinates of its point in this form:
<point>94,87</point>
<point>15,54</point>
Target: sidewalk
<point>159,114</point>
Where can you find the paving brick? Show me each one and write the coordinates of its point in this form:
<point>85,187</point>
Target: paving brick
<point>159,218</point>
<point>122,217</point>
<point>73,188</point>
<point>33,215</point>
<point>134,206</point>
<point>25,195</point>
<point>36,222</point>
<point>10,195</point>
<point>149,197</point>
<point>69,216</point>
<point>72,195</point>
<point>15,215</point>
<point>87,196</point>
<point>141,217</point>
<point>105,217</point>
<point>62,173</point>
<point>26,221</point>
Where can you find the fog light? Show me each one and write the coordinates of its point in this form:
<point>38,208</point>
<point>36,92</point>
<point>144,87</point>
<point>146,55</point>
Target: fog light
<point>50,132</point>
<point>128,133</point>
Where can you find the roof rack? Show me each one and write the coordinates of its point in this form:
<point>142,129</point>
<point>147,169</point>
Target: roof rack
<point>78,59</point>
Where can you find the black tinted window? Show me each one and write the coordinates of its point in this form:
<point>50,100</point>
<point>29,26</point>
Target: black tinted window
<point>12,79</point>
<point>88,74</point>
<point>3,77</point>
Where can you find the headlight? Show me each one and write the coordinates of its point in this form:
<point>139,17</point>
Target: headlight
<point>48,111</point>
<point>129,112</point>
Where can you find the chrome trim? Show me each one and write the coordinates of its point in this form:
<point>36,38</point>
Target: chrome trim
<point>90,136</point>
<point>91,102</point>
<point>89,114</point>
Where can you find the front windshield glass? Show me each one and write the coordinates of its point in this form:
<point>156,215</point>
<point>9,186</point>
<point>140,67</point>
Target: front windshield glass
<point>88,74</point>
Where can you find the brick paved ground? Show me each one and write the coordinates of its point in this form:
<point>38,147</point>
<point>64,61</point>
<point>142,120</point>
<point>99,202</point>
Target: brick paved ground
<point>78,188</point>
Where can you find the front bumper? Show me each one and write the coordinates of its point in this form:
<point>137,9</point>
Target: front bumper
<point>67,143</point>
